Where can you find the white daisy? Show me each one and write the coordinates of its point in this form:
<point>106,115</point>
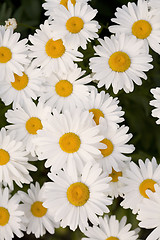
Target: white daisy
<point>26,121</point>
<point>10,215</point>
<point>66,90</point>
<point>137,180</point>
<point>119,63</point>
<point>140,21</point>
<point>111,229</point>
<point>13,53</point>
<point>37,219</point>
<point>75,25</point>
<point>156,103</point>
<point>50,54</point>
<point>77,199</point>
<point>14,164</point>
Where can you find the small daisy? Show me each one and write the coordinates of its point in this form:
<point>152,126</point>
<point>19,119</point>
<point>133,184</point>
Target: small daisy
<point>137,180</point>
<point>76,199</point>
<point>37,219</point>
<point>119,63</point>
<point>26,121</point>
<point>10,216</point>
<point>13,53</point>
<point>50,54</point>
<point>11,23</point>
<point>139,21</point>
<point>156,103</point>
<point>14,164</point>
<point>66,90</point>
<point>111,229</point>
<point>75,25</point>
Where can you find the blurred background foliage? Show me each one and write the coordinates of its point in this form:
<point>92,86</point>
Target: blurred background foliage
<point>146,133</point>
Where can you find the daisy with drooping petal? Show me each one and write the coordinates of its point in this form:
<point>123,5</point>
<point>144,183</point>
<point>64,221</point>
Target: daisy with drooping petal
<point>140,21</point>
<point>14,165</point>
<point>156,103</point>
<point>75,199</point>
<point>26,121</point>
<point>50,54</point>
<point>137,180</point>
<point>37,219</point>
<point>119,64</point>
<point>10,216</point>
<point>75,25</point>
<point>111,229</point>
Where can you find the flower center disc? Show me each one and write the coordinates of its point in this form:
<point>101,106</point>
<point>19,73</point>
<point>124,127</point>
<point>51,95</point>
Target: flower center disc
<point>20,81</point>
<point>33,124</point>
<point>37,209</point>
<point>146,184</point>
<point>74,24</point>
<point>70,142</point>
<point>97,114</point>
<point>4,157</point>
<point>78,194</point>
<point>55,49</point>
<point>5,54</point>
<point>65,2</point>
<point>114,175</point>
<point>112,238</point>
<point>106,152</point>
<point>63,88</point>
<point>141,29</point>
<point>4,216</point>
<point>119,61</point>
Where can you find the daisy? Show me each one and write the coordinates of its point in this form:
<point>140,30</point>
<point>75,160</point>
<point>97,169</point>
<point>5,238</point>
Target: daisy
<point>139,21</point>
<point>119,63</point>
<point>75,25</point>
<point>137,180</point>
<point>26,121</point>
<point>49,54</point>
<point>10,215</point>
<point>156,103</point>
<point>37,219</point>
<point>66,90</point>
<point>111,229</point>
<point>14,164</point>
<point>75,199</point>
<point>13,53</point>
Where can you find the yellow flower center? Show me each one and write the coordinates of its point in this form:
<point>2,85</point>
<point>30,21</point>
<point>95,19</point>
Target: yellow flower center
<point>4,216</point>
<point>4,157</point>
<point>70,142</point>
<point>97,114</point>
<point>64,88</point>
<point>146,184</point>
<point>112,238</point>
<point>33,124</point>
<point>119,61</point>
<point>5,54</point>
<point>114,175</point>
<point>65,2</point>
<point>107,151</point>
<point>37,209</point>
<point>141,29</point>
<point>78,194</point>
<point>74,24</point>
<point>20,81</point>
<point>55,49</point>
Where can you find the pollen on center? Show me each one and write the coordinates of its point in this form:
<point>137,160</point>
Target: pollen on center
<point>4,216</point>
<point>107,151</point>
<point>65,3</point>
<point>64,88</point>
<point>74,24</point>
<point>146,184</point>
<point>97,114</point>
<point>55,49</point>
<point>4,157</point>
<point>114,175</point>
<point>20,81</point>
<point>141,29</point>
<point>37,209</point>
<point>33,124</point>
<point>119,61</point>
<point>5,54</point>
<point>70,142</point>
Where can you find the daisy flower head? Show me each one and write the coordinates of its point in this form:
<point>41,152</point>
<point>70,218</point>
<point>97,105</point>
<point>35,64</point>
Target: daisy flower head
<point>13,53</point>
<point>75,25</point>
<point>50,54</point>
<point>37,219</point>
<point>119,63</point>
<point>137,180</point>
<point>14,165</point>
<point>26,121</point>
<point>66,90</point>
<point>139,21</point>
<point>156,103</point>
<point>111,229</point>
<point>77,198</point>
<point>10,215</point>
